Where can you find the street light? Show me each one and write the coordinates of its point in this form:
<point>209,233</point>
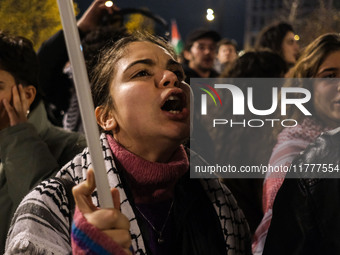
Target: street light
<point>210,14</point>
<point>108,3</point>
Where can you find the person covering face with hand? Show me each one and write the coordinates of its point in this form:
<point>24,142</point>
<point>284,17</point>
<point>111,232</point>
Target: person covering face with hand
<point>31,149</point>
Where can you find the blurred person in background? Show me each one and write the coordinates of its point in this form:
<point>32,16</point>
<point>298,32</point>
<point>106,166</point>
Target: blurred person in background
<point>305,217</point>
<point>56,72</point>
<point>200,53</point>
<point>279,37</point>
<point>31,148</point>
<point>199,56</point>
<point>226,54</point>
<point>320,59</point>
<point>241,146</point>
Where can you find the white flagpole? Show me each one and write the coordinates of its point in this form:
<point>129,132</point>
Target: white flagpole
<point>82,85</point>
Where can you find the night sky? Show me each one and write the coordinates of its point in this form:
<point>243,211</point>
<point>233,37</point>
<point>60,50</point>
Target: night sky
<point>190,14</point>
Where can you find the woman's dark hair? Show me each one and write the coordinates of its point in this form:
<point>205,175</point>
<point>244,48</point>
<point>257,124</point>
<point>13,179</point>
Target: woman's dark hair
<point>95,40</point>
<point>257,64</point>
<point>272,36</point>
<point>18,57</point>
<point>241,141</point>
<point>240,145</point>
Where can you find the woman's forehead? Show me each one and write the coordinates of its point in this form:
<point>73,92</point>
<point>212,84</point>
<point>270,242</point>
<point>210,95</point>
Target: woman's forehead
<point>145,48</point>
<point>6,75</point>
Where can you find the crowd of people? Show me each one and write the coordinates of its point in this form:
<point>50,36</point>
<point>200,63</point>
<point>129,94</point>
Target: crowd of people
<point>141,92</point>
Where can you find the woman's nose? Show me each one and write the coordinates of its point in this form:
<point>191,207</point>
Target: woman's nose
<point>169,79</point>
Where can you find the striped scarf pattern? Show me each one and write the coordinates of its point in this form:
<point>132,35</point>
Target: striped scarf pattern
<point>42,222</point>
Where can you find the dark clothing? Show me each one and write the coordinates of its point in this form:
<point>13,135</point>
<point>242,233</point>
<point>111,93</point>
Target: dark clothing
<point>190,73</point>
<point>188,234</point>
<point>306,210</point>
<point>55,84</point>
<point>203,206</point>
<point>200,139</point>
<point>248,194</point>
<point>31,152</point>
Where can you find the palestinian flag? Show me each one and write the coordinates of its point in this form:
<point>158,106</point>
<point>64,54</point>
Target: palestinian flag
<point>176,40</point>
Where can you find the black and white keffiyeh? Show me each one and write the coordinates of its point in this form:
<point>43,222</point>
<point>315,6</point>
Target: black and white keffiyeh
<point>41,224</point>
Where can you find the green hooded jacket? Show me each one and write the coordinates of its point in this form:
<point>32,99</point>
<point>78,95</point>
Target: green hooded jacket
<point>29,153</point>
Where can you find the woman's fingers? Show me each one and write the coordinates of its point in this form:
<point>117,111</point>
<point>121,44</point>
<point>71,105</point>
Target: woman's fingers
<point>115,198</point>
<point>16,98</point>
<point>24,102</point>
<point>105,219</point>
<point>111,221</point>
<point>18,110</point>
<point>120,236</point>
<point>82,193</point>
<point>12,115</point>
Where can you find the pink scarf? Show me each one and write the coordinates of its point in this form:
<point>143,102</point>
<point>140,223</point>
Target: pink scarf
<point>150,181</point>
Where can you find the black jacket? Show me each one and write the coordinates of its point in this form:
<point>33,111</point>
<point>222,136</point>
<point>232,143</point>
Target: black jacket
<point>306,210</point>
<point>190,73</point>
<point>55,85</point>
<point>200,139</point>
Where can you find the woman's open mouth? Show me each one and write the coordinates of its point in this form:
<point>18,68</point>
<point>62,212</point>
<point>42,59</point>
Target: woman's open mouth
<point>174,103</point>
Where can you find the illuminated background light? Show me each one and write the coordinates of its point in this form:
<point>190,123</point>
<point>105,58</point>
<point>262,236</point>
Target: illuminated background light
<point>296,37</point>
<point>210,17</point>
<point>108,3</point>
<point>210,14</point>
<point>210,11</point>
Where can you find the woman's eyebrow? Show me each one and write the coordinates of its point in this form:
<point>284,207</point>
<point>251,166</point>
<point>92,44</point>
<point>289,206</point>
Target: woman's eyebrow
<point>330,69</point>
<point>174,64</point>
<point>146,61</point>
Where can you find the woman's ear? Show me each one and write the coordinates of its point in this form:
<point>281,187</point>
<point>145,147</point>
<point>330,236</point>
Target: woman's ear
<point>106,120</point>
<point>30,93</point>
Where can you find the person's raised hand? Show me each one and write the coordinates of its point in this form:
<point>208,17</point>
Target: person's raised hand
<point>17,113</point>
<point>94,14</point>
<point>110,221</point>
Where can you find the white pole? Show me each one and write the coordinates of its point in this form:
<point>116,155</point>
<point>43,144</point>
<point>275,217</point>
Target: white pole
<point>82,85</point>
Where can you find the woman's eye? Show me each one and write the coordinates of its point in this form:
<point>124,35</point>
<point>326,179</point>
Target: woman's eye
<point>142,74</point>
<point>330,75</point>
